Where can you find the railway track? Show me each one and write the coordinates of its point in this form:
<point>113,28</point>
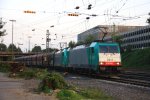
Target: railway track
<point>140,79</point>
<point>135,75</point>
<point>131,81</point>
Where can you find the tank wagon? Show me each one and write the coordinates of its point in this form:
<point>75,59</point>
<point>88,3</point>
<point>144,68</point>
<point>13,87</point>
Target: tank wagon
<point>96,58</point>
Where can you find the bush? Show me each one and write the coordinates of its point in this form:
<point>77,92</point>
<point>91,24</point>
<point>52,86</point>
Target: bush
<point>137,60</point>
<point>4,67</point>
<point>51,82</point>
<point>41,73</point>
<point>27,74</point>
<point>68,95</point>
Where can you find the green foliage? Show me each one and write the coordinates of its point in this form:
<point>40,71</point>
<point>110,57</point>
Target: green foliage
<point>50,50</point>
<point>41,73</point>
<point>19,49</point>
<point>129,48</point>
<point>68,95</point>
<point>82,94</point>
<point>89,39</point>
<point>46,89</point>
<point>72,44</point>
<point>2,32</point>
<point>15,49</point>
<point>53,81</point>
<point>148,19</point>
<point>79,43</point>
<point>27,74</point>
<point>3,47</point>
<point>36,49</point>
<point>4,67</point>
<point>94,94</point>
<point>117,39</point>
<point>137,59</point>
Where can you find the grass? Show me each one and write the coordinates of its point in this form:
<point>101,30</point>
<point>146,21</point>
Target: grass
<point>138,59</point>
<point>94,94</point>
<point>27,73</point>
<point>30,73</point>
<point>4,67</point>
<point>69,95</point>
<point>83,94</point>
<point>41,73</point>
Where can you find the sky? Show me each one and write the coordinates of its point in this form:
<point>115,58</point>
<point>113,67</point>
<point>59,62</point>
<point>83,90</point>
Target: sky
<point>52,15</point>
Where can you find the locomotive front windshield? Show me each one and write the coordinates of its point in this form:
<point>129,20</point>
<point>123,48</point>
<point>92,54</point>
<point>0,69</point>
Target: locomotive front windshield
<point>108,49</point>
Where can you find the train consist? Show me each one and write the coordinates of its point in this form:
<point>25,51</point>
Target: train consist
<point>95,58</point>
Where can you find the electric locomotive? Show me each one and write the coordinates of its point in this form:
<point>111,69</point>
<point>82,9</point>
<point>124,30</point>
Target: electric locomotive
<point>95,58</point>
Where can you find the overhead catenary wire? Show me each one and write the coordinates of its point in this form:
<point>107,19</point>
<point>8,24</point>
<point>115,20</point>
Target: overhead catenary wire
<point>56,16</point>
<point>131,7</point>
<point>121,6</point>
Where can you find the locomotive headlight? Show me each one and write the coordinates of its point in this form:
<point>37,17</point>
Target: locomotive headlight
<point>101,63</point>
<point>118,63</point>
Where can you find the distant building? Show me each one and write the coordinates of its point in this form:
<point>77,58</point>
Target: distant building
<point>135,39</point>
<point>94,32</point>
<point>97,31</point>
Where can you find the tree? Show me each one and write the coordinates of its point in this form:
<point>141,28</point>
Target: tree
<point>79,43</point>
<point>128,48</point>
<point>89,39</point>
<point>2,31</point>
<point>3,47</point>
<point>10,48</point>
<point>118,39</point>
<point>37,49</point>
<point>72,44</point>
<point>50,50</point>
<point>148,19</point>
<point>19,49</point>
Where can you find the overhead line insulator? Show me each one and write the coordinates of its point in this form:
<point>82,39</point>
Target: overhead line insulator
<point>29,11</point>
<point>94,15</point>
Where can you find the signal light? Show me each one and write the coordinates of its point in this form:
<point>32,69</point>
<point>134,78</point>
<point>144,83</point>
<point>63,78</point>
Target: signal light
<point>73,14</point>
<point>77,7</point>
<point>87,18</point>
<point>89,6</point>
<point>28,11</point>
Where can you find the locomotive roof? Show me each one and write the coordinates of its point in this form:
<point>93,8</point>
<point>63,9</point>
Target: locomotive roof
<point>102,43</point>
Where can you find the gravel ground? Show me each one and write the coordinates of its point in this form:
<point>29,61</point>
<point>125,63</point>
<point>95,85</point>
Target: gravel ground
<point>19,89</point>
<point>119,91</point>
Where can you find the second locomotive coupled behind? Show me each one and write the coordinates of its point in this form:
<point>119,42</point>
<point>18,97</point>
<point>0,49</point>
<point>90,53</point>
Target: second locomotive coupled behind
<point>95,58</point>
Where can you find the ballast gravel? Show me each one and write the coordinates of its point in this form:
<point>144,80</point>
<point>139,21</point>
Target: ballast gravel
<point>119,91</point>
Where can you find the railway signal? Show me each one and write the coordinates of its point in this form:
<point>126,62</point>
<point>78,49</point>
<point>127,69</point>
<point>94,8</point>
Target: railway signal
<point>29,11</point>
<point>73,14</point>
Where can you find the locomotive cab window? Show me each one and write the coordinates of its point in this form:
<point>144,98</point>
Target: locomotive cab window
<point>92,49</point>
<point>109,49</point>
